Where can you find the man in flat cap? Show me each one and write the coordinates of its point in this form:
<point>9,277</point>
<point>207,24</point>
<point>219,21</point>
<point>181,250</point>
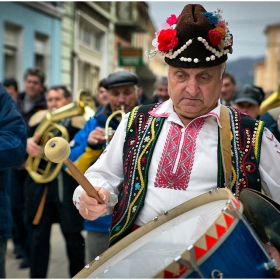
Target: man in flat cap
<point>163,155</point>
<point>248,99</point>
<point>90,141</point>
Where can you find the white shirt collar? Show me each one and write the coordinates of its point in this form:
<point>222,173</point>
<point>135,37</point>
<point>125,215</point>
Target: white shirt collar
<point>165,110</point>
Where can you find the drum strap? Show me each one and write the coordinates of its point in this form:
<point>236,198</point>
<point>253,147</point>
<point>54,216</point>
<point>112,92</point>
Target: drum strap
<point>226,145</point>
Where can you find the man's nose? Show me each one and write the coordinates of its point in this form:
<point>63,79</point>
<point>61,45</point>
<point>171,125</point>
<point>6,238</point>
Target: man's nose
<point>192,87</point>
<point>121,98</point>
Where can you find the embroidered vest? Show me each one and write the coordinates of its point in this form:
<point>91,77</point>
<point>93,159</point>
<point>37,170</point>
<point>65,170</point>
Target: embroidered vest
<point>141,137</point>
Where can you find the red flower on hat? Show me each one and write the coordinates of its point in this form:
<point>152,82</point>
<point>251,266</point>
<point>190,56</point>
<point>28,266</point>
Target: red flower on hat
<point>172,19</point>
<point>167,40</point>
<point>215,36</point>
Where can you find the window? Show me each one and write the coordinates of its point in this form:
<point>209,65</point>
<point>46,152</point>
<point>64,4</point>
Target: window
<point>41,52</point>
<point>88,76</point>
<point>90,36</point>
<point>12,41</point>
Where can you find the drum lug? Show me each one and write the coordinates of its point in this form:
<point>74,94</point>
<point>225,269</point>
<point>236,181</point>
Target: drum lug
<point>189,263</point>
<point>218,273</point>
<point>271,264</point>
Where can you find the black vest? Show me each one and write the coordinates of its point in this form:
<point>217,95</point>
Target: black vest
<point>141,137</point>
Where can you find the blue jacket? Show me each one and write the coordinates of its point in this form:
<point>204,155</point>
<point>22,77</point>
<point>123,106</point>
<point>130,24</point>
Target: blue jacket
<point>12,153</point>
<point>80,147</point>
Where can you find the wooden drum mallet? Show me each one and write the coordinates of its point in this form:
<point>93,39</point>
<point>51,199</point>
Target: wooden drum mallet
<point>57,150</point>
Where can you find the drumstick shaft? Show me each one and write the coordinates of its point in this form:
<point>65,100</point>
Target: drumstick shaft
<point>82,180</point>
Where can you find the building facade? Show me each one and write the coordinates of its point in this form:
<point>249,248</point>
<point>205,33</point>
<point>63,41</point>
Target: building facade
<point>76,43</point>
<point>267,72</point>
<point>30,36</point>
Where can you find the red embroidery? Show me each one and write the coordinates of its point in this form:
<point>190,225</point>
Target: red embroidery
<point>177,158</point>
<point>143,160</point>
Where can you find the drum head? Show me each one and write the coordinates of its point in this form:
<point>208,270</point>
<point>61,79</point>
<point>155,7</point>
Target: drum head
<point>263,214</point>
<point>149,249</point>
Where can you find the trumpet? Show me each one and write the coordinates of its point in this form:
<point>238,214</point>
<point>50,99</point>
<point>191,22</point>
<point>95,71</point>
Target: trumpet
<point>271,102</point>
<point>40,169</point>
<point>109,130</point>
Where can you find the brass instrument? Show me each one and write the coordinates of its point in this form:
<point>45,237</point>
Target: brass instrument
<point>271,102</point>
<point>109,131</point>
<point>40,168</point>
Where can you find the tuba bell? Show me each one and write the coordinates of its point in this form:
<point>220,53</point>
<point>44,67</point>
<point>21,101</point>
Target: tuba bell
<point>40,169</point>
<point>108,130</point>
<point>271,102</point>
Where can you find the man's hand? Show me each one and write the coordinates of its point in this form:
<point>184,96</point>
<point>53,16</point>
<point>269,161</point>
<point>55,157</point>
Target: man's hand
<point>89,208</point>
<point>97,136</point>
<point>32,148</point>
<point>278,122</point>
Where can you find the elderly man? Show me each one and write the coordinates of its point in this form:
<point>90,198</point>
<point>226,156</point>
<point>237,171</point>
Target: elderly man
<point>158,153</point>
<point>89,143</point>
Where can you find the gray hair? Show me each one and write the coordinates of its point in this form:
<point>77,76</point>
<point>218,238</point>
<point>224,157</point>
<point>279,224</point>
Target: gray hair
<point>161,80</point>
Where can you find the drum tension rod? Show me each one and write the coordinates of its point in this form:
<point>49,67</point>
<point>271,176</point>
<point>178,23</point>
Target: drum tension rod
<point>190,263</point>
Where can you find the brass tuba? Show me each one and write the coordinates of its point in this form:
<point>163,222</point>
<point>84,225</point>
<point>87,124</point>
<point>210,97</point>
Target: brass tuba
<point>271,102</point>
<point>40,169</point>
<point>108,130</point>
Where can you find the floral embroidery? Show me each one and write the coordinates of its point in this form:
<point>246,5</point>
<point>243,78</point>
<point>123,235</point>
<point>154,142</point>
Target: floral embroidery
<point>137,186</point>
<point>143,160</point>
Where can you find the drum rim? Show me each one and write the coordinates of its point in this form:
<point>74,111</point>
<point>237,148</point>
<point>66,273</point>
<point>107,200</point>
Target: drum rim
<point>211,196</point>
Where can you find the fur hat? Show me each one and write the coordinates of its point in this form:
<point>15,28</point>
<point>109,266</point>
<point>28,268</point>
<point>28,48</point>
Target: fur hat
<point>194,39</point>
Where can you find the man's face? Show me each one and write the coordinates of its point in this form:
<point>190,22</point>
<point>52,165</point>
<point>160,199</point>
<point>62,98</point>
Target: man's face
<point>162,92</point>
<point>123,95</point>
<point>102,96</point>
<point>228,89</point>
<point>248,108</point>
<point>33,86</point>
<point>56,99</point>
<point>194,91</point>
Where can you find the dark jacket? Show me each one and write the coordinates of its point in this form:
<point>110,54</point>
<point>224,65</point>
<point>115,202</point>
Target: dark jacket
<point>12,152</point>
<point>40,104</point>
<point>59,196</point>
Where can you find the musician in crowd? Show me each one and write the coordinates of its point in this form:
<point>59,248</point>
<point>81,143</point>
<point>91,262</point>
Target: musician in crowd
<point>29,101</point>
<point>248,99</point>
<point>51,202</point>
<point>90,141</point>
<point>160,91</point>
<point>228,89</point>
<point>155,159</point>
<point>11,86</point>
<point>12,153</point>
<point>101,95</point>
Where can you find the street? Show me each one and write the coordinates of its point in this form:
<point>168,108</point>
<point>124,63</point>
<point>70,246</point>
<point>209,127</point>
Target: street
<point>58,266</point>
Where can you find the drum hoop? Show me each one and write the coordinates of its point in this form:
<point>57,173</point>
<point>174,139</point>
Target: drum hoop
<point>212,196</point>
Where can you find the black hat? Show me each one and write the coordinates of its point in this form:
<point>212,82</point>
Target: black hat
<point>249,93</point>
<point>194,39</point>
<point>121,78</point>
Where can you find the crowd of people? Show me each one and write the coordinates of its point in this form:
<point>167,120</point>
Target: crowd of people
<point>184,108</point>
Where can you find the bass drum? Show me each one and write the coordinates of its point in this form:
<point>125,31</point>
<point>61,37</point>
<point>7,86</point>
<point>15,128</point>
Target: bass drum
<point>207,236</point>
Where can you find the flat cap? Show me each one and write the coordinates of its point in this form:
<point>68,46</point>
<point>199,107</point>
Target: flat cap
<point>249,93</point>
<point>121,78</point>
